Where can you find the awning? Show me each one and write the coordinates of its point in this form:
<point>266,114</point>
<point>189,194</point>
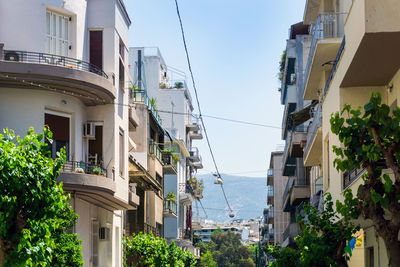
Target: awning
<point>303,115</point>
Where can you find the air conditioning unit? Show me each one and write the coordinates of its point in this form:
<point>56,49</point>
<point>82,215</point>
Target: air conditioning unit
<point>104,233</point>
<point>13,56</point>
<point>89,130</point>
<point>293,78</point>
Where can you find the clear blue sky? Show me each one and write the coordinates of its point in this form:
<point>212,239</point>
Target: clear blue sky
<point>235,48</point>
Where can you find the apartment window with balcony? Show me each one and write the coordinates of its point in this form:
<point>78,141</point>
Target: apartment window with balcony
<point>58,29</point>
<point>60,127</point>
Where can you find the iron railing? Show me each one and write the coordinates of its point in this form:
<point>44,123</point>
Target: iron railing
<point>49,59</point>
<point>168,159</point>
<point>84,167</point>
<point>170,206</point>
<point>288,188</point>
<point>140,96</point>
<point>313,127</point>
<point>186,188</point>
<point>338,56</point>
<point>350,176</point>
<point>327,25</point>
<point>154,149</point>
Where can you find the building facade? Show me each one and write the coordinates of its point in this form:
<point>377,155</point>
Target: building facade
<point>63,70</point>
<point>166,89</point>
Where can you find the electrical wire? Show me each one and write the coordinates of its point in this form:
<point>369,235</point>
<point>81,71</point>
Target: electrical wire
<point>197,98</point>
<point>201,204</point>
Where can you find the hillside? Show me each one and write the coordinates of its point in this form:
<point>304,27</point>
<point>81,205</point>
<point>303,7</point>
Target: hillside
<point>247,196</point>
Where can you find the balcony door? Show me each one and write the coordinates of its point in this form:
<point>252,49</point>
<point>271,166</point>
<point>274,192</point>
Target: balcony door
<point>57,34</point>
<point>96,48</point>
<point>60,127</point>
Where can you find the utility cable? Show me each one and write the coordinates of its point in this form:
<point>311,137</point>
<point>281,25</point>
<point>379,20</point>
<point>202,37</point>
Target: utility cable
<point>201,204</point>
<point>197,98</point>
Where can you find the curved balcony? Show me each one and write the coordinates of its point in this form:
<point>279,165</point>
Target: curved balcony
<point>91,183</point>
<point>55,73</point>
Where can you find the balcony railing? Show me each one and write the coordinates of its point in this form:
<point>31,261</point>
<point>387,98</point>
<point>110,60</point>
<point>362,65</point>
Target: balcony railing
<point>313,127</point>
<point>194,152</point>
<point>170,206</point>
<point>154,149</point>
<point>140,96</point>
<point>350,176</point>
<point>288,188</point>
<point>49,59</point>
<point>338,56</point>
<point>84,167</point>
<point>270,191</point>
<point>186,188</point>
<point>328,25</point>
<point>168,159</point>
<point>270,172</point>
<point>291,231</point>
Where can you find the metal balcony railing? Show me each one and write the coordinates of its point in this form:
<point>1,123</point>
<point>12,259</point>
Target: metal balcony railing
<point>170,206</point>
<point>327,25</point>
<point>186,188</point>
<point>49,59</point>
<point>154,149</point>
<point>168,159</point>
<point>288,188</point>
<point>338,56</point>
<point>140,96</point>
<point>194,152</point>
<point>313,127</point>
<point>84,167</point>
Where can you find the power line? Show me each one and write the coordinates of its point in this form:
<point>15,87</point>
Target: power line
<point>197,98</point>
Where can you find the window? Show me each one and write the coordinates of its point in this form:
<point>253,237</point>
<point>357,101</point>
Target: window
<point>60,127</point>
<point>57,33</point>
<point>121,153</point>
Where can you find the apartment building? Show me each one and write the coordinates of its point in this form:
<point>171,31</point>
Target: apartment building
<point>294,129</point>
<point>61,65</point>
<point>358,43</point>
<point>167,90</point>
<point>278,220</point>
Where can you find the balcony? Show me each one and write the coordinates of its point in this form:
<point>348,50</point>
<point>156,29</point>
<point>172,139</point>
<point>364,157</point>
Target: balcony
<point>291,231</point>
<point>194,154</point>
<point>140,96</point>
<point>270,195</point>
<point>313,149</point>
<point>133,198</point>
<point>293,149</point>
<point>41,71</point>
<point>170,210</point>
<point>371,56</point>
<point>92,183</point>
<point>170,164</point>
<point>193,126</point>
<point>196,134</point>
<point>186,193</point>
<point>327,34</point>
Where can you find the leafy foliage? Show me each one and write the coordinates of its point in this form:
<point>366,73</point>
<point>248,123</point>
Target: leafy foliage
<point>206,260</point>
<point>282,65</point>
<point>148,250</point>
<point>227,250</point>
<point>370,140</point>
<point>322,239</point>
<point>34,213</point>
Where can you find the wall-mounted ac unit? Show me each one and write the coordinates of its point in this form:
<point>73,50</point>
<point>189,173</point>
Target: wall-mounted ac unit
<point>89,130</point>
<point>13,56</point>
<point>104,233</point>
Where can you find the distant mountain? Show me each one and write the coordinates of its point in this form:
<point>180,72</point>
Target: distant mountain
<point>246,195</point>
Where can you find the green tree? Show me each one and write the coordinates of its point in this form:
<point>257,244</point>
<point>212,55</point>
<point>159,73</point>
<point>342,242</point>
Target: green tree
<point>370,140</point>
<point>34,213</point>
<point>322,239</point>
<point>227,250</point>
<point>206,260</point>
<point>148,250</point>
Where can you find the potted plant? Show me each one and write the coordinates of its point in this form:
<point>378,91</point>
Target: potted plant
<point>171,196</point>
<point>178,85</point>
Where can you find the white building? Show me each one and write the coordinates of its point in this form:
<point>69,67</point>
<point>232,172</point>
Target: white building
<point>167,88</point>
<point>62,64</point>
